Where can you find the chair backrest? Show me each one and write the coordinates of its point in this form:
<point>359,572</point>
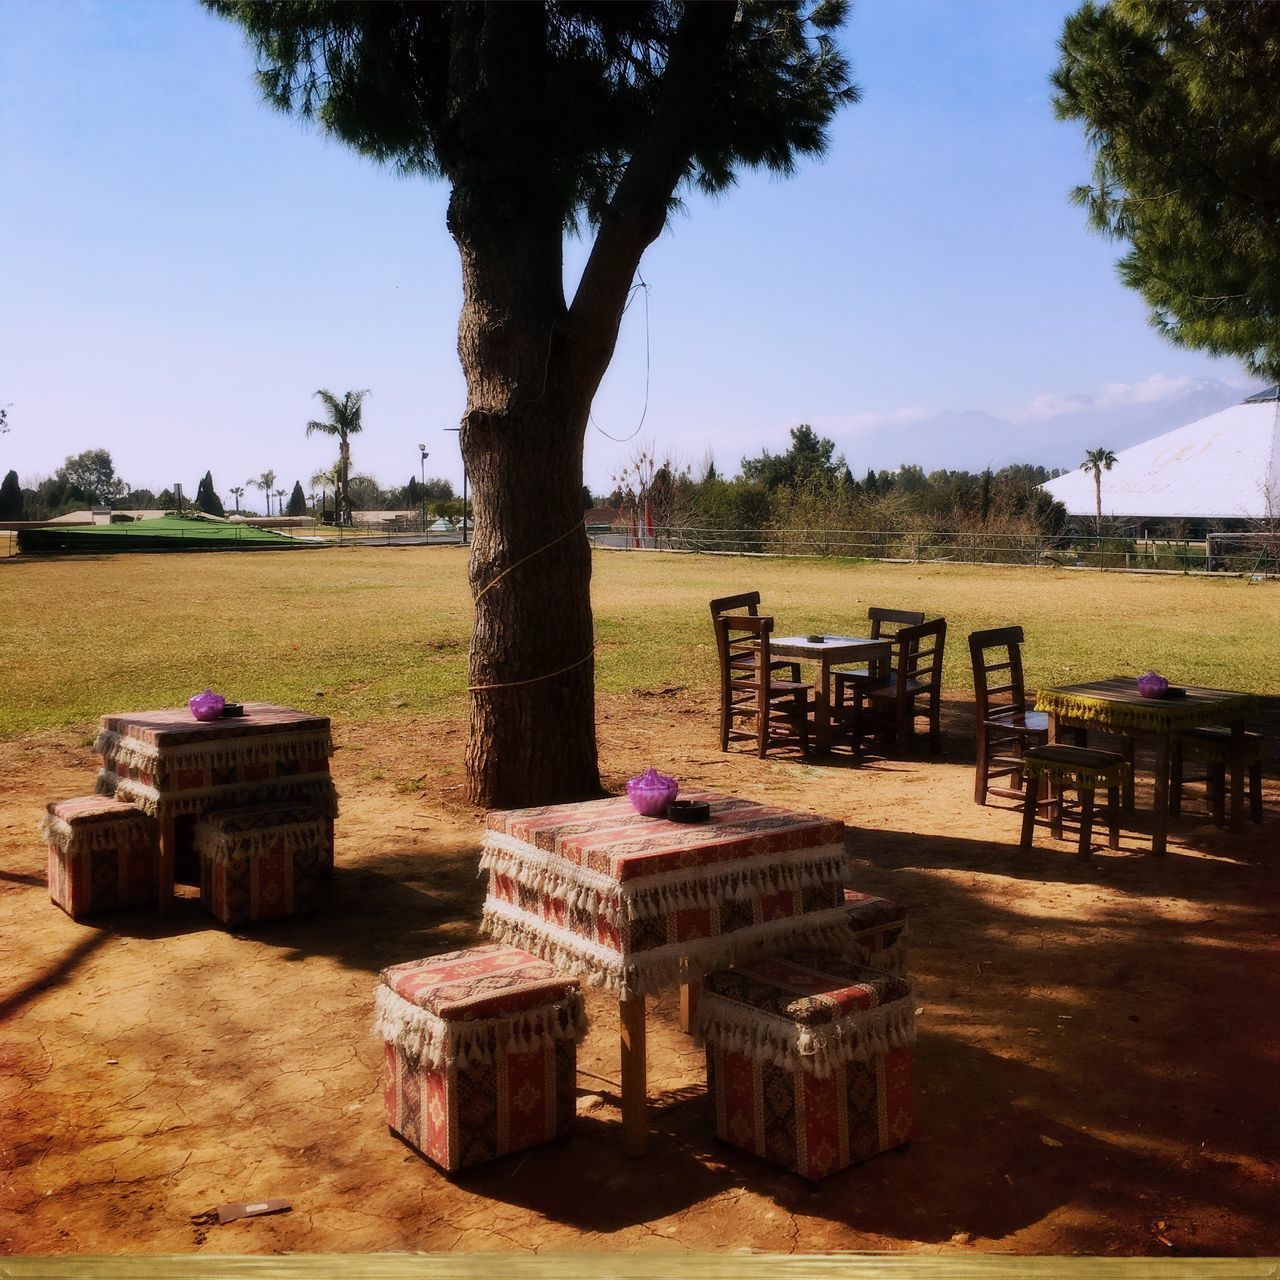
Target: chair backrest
<point>918,657</point>
<point>743,644</point>
<point>888,622</point>
<point>747,602</point>
<point>997,650</point>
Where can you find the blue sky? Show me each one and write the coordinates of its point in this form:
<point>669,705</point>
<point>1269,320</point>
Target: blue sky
<point>183,267</point>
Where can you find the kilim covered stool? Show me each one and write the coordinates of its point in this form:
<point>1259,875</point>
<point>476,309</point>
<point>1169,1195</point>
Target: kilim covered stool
<point>877,932</point>
<point>262,861</point>
<point>481,1052</point>
<point>809,1060</point>
<point>1084,769</point>
<point>103,854</point>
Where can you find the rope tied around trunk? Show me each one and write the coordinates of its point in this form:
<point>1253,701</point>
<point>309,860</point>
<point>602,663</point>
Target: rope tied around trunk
<point>551,675</point>
<point>546,546</point>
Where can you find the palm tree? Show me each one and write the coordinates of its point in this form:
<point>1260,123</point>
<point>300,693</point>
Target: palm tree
<point>343,421</point>
<point>237,492</point>
<point>280,502</point>
<point>1097,461</point>
<point>266,482</point>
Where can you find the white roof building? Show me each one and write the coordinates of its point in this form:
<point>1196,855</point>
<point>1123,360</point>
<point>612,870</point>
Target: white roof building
<point>1225,466</point>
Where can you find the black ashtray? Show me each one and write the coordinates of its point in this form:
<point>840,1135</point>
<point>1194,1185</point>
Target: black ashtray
<point>1175,691</point>
<point>232,709</point>
<point>688,811</point>
<point>816,639</point>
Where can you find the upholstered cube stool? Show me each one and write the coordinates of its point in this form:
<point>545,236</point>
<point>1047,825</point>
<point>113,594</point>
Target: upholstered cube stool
<point>1211,745</point>
<point>262,861</point>
<point>481,1052</point>
<point>1061,767</point>
<point>877,932</point>
<point>809,1060</point>
<point>103,854</point>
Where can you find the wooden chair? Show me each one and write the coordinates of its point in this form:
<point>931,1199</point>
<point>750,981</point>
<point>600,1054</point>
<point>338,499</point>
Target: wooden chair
<point>748,602</point>
<point>915,678</point>
<point>1060,767</point>
<point>1006,727</point>
<point>885,624</point>
<point>1211,746</point>
<point>776,711</point>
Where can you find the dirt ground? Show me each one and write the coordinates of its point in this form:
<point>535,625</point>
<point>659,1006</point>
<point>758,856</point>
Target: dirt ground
<point>1096,1066</point>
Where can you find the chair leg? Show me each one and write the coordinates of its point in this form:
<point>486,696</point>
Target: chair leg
<point>935,727</point>
<point>980,779</point>
<point>1113,817</point>
<point>1175,779</point>
<point>1255,792</point>
<point>1028,813</point>
<point>1218,793</point>
<point>802,722</point>
<point>762,729</point>
<point>1055,798</point>
<point>1130,752</point>
<point>1086,824</point>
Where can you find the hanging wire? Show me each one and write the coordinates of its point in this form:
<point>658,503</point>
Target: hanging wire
<point>635,288</point>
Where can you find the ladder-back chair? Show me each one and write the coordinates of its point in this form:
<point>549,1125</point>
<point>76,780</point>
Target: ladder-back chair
<point>1006,726</point>
<point>774,712</point>
<point>913,687</point>
<point>748,603</point>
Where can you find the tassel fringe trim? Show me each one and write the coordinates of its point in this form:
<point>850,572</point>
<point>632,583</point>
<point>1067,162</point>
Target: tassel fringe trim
<point>318,790</point>
<point>661,968</point>
<point>298,837</point>
<point>218,755</point>
<point>1151,714</point>
<point>431,1042</point>
<point>93,836</point>
<point>858,1037</point>
<point>659,895</point>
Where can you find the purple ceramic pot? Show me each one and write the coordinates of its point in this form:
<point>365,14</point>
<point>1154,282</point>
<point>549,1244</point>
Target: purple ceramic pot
<point>1152,685</point>
<point>207,705</point>
<point>651,792</point>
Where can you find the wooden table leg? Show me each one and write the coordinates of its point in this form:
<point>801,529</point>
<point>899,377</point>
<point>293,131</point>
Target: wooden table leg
<point>1237,775</point>
<point>822,710</point>
<point>635,1124</point>
<point>1160,831</point>
<point>164,870</point>
<point>689,993</point>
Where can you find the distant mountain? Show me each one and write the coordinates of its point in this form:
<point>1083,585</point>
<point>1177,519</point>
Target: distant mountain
<point>1049,433</point>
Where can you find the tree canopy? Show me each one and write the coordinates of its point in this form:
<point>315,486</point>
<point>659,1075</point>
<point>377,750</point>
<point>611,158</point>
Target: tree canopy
<point>93,474</point>
<point>207,499</point>
<point>809,461</point>
<point>1178,101</point>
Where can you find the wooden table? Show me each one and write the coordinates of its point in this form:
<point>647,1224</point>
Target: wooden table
<point>635,905</point>
<point>830,651</point>
<point>173,766</point>
<point>1116,706</point>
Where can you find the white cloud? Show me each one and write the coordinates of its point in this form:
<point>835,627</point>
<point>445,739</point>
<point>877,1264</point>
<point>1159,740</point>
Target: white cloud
<point>852,425</point>
<point>1113,395</point>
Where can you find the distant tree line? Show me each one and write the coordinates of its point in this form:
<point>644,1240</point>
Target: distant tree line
<point>89,479</point>
<point>810,486</point>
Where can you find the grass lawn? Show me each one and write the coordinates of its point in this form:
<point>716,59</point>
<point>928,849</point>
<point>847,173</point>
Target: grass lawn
<point>364,633</point>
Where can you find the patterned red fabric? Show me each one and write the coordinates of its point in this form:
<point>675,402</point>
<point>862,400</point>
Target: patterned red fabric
<point>481,982</point>
<point>279,880</point>
<point>609,837</point>
<point>877,926</point>
<point>85,809</point>
<point>115,874</point>
<point>177,727</point>
<point>813,1127</point>
<point>807,988</point>
<point>462,1115</point>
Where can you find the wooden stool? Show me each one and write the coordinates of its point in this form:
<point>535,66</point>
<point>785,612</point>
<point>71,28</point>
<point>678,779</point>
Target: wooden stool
<point>877,932</point>
<point>262,861</point>
<point>481,1052</point>
<point>103,855</point>
<point>1086,770</point>
<point>1212,747</point>
<point>809,1060</point>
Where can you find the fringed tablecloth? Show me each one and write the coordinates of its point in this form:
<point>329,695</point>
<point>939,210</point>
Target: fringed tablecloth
<point>170,764</point>
<point>620,900</point>
<point>1116,706</point>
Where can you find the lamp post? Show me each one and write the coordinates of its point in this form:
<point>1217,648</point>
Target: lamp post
<point>464,484</point>
<point>422,449</point>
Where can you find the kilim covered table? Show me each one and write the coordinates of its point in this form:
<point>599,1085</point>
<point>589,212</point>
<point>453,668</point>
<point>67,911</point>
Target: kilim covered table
<point>172,766</point>
<point>634,904</point>
<point>1116,706</point>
